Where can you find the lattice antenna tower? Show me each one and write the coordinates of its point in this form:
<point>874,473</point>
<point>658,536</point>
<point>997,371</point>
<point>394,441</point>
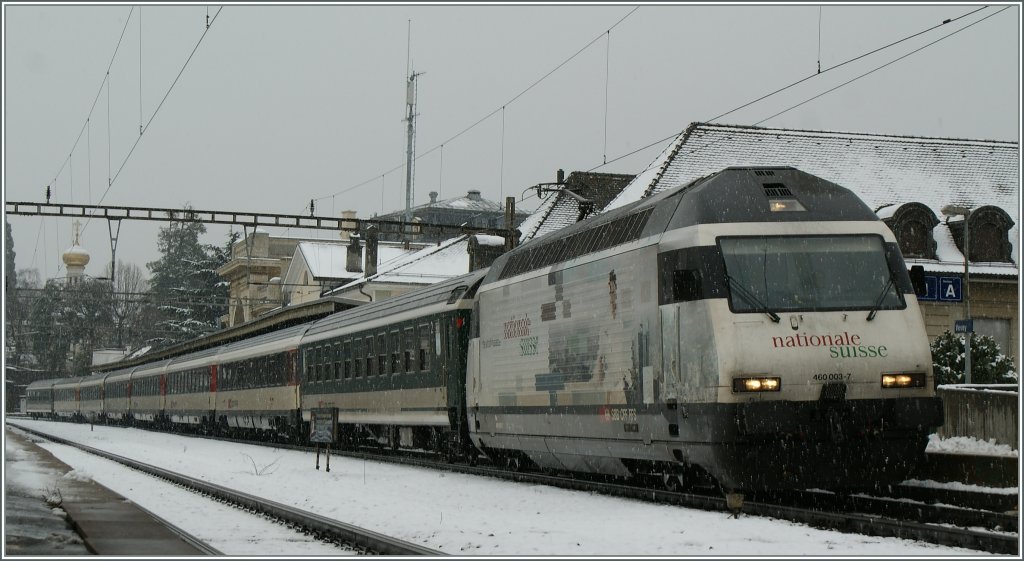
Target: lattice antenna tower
<point>410,120</point>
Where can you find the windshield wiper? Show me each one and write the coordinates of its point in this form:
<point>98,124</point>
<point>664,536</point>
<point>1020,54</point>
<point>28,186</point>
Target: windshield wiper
<point>752,299</point>
<point>885,292</point>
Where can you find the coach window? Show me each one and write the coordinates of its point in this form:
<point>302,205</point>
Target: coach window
<point>346,359</point>
<point>424,348</point>
<point>371,356</point>
<point>337,359</point>
<point>357,358</point>
<point>395,346</point>
<point>408,352</point>
<point>382,356</point>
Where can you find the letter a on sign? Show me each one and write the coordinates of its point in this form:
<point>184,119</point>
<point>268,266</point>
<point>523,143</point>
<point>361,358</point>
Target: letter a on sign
<point>951,292</point>
<point>949,289</point>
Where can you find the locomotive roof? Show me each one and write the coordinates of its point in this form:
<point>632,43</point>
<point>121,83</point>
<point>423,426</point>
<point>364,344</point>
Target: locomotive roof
<point>419,298</point>
<point>733,195</point>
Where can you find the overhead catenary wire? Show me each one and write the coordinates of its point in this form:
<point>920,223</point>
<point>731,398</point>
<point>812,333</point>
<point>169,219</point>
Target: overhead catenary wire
<point>876,69</point>
<point>802,80</point>
<point>104,82</point>
<point>501,108</point>
<point>160,105</point>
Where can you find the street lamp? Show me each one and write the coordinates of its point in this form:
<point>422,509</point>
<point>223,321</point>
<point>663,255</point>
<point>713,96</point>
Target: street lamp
<point>956,210</point>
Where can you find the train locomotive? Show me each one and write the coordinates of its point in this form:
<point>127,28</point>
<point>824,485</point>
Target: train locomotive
<point>756,328</point>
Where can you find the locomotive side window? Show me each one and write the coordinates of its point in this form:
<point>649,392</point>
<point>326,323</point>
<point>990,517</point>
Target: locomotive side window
<point>685,285</point>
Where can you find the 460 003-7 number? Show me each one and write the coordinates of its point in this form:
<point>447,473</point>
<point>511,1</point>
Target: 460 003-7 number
<point>832,377</point>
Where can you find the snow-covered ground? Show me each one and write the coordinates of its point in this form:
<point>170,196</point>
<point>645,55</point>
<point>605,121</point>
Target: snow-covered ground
<point>454,513</point>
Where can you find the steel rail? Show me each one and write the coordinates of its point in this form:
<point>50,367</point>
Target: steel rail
<point>321,526</point>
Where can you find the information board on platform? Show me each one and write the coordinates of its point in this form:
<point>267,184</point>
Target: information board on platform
<point>323,425</point>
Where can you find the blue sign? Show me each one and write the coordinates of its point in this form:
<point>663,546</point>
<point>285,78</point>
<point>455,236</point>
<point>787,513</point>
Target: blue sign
<point>950,289</point>
<point>963,326</point>
<point>942,289</point>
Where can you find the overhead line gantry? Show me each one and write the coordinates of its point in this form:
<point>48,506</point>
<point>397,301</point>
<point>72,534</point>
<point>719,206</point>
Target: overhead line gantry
<point>115,214</point>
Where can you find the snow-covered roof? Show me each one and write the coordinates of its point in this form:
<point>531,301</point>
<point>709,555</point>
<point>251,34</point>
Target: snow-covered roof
<point>326,261</point>
<point>561,206</point>
<point>429,265</point>
<point>881,169</point>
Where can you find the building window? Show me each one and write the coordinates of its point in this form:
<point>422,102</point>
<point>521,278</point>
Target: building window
<point>913,225</point>
<point>990,235</point>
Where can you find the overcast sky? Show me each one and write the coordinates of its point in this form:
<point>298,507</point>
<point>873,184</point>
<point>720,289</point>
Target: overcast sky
<point>283,104</point>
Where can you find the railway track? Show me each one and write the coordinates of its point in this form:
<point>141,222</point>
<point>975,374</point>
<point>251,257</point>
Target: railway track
<point>941,524</point>
<point>993,532</point>
<point>358,539</point>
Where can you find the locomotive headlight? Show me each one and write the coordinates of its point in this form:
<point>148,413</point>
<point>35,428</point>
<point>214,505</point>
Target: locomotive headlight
<point>785,205</point>
<point>758,384</point>
<point>903,380</point>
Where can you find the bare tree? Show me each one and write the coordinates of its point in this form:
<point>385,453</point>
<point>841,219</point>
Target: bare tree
<point>128,303</point>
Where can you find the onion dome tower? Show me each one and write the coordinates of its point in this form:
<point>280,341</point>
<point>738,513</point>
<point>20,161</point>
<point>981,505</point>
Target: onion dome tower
<point>76,258</point>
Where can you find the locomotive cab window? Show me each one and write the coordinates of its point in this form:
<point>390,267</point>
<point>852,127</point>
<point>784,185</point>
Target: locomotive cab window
<point>810,273</point>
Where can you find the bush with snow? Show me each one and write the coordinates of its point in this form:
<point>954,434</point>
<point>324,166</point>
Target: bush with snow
<point>988,363</point>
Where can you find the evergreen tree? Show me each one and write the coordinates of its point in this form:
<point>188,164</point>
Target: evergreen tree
<point>69,321</point>
<point>18,297</point>
<point>988,364</point>
<point>10,286</point>
<point>9,275</point>
<point>190,297</point>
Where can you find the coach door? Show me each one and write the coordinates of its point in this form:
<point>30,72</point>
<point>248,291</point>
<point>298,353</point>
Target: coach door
<point>670,351</point>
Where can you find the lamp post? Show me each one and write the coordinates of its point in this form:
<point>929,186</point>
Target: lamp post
<point>955,210</point>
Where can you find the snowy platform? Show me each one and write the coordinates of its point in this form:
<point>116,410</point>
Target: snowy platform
<point>106,522</point>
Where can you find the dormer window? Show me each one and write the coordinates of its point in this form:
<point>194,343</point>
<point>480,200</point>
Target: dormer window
<point>990,235</point>
<point>912,224</point>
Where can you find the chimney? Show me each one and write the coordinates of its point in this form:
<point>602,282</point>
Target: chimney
<point>561,176</point>
<point>433,197</point>
<point>348,224</point>
<point>482,255</point>
<point>371,252</point>
<point>354,255</point>
<point>474,195</point>
<point>510,224</point>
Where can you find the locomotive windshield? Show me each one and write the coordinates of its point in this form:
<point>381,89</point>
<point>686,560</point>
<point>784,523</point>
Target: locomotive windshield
<point>771,274</point>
